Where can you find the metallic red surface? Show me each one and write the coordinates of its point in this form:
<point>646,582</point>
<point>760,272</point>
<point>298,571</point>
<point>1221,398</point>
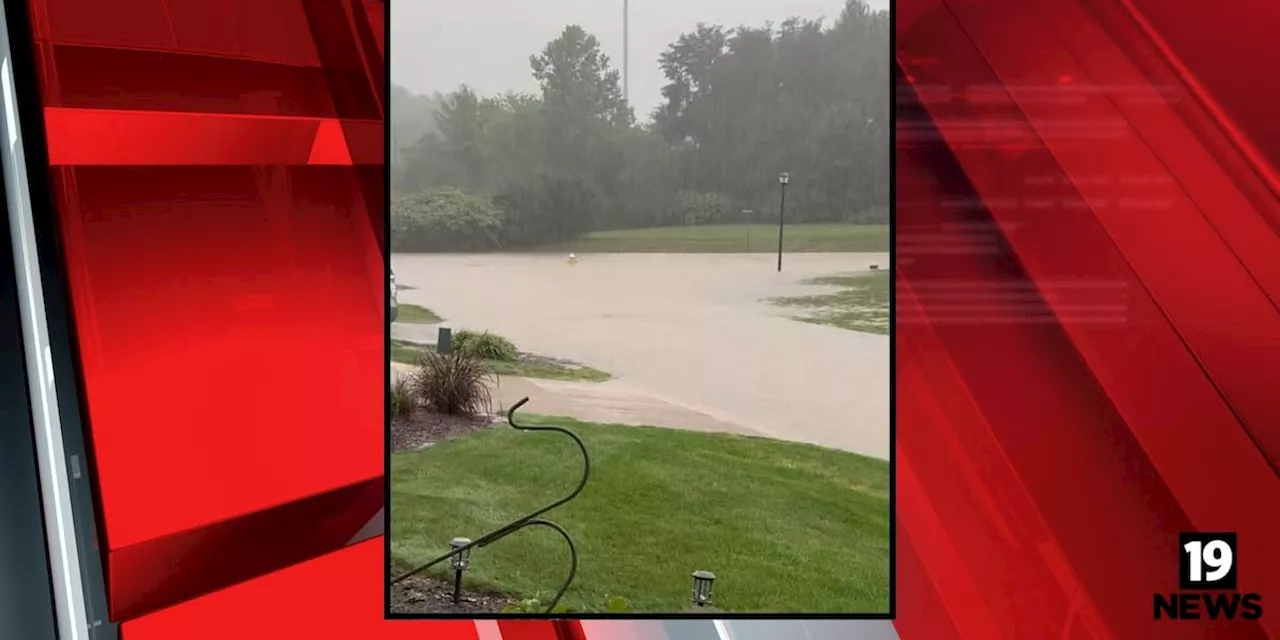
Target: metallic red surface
<point>1102,171</point>
<point>94,137</point>
<point>336,596</point>
<point>533,630</point>
<point>220,279</point>
<point>216,174</point>
<point>201,295</point>
<point>143,579</point>
<point>1113,383</point>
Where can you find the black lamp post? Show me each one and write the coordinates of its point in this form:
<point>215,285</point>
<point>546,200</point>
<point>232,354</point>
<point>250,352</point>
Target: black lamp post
<point>459,563</point>
<point>702,582</point>
<point>783,179</point>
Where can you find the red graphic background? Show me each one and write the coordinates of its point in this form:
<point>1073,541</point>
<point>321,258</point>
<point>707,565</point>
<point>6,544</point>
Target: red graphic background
<point>1088,345</point>
<point>1108,378</point>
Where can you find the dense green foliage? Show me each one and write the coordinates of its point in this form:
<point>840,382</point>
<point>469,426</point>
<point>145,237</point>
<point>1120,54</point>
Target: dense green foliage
<point>444,219</point>
<point>741,106</point>
<point>485,346</point>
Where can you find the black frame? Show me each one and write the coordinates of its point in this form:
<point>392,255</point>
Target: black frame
<point>729,616</point>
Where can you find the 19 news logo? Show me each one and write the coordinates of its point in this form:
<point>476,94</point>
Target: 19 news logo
<point>1207,582</point>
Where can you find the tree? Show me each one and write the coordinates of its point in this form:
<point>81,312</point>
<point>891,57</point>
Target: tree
<point>577,82</point>
<point>687,64</point>
<point>412,118</point>
<point>462,120</point>
<point>802,97</point>
<point>515,137</point>
<point>546,210</point>
<point>647,184</point>
<point>581,100</point>
<point>740,106</point>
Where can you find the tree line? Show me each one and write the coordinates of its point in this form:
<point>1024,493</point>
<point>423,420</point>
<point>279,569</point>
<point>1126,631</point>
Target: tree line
<point>741,105</point>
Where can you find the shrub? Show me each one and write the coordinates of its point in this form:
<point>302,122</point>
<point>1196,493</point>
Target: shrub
<point>444,219</point>
<point>485,346</point>
<point>545,210</point>
<point>403,404</point>
<point>695,208</point>
<point>453,384</point>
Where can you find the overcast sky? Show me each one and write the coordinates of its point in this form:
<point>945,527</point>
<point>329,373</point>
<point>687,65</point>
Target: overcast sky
<point>437,45</point>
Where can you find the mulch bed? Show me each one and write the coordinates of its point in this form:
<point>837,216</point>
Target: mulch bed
<point>425,428</point>
<point>425,594</point>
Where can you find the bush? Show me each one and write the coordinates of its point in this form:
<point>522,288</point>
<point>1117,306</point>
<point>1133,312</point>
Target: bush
<point>444,220</point>
<point>403,404</point>
<point>545,210</point>
<point>485,346</point>
<point>695,208</point>
<point>452,384</point>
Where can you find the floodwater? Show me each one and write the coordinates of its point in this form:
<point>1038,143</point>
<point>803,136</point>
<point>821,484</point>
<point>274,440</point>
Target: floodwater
<point>694,330</point>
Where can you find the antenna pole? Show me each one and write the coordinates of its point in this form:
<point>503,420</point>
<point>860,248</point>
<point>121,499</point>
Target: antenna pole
<point>626,51</point>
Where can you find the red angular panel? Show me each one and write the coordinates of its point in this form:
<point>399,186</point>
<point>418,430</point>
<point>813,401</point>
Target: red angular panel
<point>225,261</point>
<point>1046,462</point>
<point>214,305</point>
<point>336,596</point>
<point>329,146</point>
<point>238,550</point>
<point>102,78</point>
<point>1221,53</point>
<point>97,137</point>
<point>245,29</point>
<point>1120,388</point>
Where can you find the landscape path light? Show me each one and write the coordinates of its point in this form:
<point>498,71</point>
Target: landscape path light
<point>460,561</point>
<point>702,583</point>
<point>458,554</point>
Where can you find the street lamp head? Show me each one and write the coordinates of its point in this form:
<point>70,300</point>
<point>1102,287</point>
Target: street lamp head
<point>784,178</point>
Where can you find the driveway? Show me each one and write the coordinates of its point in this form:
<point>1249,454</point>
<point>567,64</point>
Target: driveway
<point>690,330</point>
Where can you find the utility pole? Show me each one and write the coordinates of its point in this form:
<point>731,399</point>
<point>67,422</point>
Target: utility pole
<point>626,51</point>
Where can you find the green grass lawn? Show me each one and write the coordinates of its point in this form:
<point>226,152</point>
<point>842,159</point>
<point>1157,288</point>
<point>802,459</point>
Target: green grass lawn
<point>785,527</point>
<point>546,370</point>
<point>405,352</point>
<point>860,304</point>
<point>741,238</point>
<point>414,314</point>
